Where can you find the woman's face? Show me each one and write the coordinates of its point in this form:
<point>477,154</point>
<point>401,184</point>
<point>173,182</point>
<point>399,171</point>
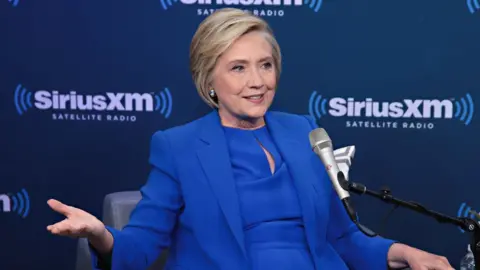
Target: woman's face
<point>244,79</point>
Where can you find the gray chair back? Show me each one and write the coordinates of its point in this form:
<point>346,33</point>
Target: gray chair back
<point>117,208</point>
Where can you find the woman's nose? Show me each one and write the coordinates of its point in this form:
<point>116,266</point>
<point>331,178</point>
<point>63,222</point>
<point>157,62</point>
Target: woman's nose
<point>255,79</point>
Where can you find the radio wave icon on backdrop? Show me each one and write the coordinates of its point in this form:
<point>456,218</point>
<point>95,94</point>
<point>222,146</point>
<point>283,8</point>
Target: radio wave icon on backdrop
<point>164,102</point>
<point>464,109</point>
<point>315,5</point>
<point>14,3</point>
<point>22,99</point>
<point>167,3</point>
<point>18,203</point>
<point>317,106</point>
<point>473,5</point>
<point>465,211</point>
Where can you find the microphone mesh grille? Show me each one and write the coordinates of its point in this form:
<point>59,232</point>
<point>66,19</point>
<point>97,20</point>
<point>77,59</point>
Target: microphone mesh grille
<point>319,137</point>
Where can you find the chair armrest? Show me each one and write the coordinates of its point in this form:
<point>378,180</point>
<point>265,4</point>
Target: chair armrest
<point>118,206</point>
<point>83,259</point>
<point>116,213</point>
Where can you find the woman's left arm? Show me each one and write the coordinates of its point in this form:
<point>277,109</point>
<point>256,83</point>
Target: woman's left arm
<point>360,251</point>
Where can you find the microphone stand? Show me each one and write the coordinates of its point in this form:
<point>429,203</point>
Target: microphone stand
<point>467,224</point>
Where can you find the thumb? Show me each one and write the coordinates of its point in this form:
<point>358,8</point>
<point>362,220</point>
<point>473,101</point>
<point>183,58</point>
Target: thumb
<point>59,207</point>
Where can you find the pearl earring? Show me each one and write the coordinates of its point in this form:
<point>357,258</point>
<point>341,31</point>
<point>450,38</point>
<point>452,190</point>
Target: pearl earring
<point>212,93</point>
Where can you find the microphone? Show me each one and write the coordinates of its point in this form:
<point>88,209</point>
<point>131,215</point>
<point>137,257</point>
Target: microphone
<point>323,147</point>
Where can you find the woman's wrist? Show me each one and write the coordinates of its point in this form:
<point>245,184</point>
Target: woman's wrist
<point>103,243</point>
<point>397,255</point>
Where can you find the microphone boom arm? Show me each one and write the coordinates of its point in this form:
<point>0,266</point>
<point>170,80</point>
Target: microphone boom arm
<point>467,224</point>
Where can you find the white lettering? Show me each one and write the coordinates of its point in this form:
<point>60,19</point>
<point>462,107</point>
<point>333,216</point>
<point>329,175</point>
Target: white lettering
<point>256,12</point>
<point>413,108</point>
<point>245,2</point>
<point>139,100</point>
<point>441,109</point>
<point>396,109</point>
<point>371,124</point>
<point>418,125</point>
<point>76,117</point>
<point>337,106</point>
<point>99,103</point>
<point>121,118</point>
<point>407,109</point>
<point>5,203</point>
<point>45,100</point>
<point>115,102</point>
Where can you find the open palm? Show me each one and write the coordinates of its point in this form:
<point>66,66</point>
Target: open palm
<point>77,223</point>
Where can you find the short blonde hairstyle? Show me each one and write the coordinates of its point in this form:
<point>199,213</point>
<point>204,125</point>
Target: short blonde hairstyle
<point>215,35</point>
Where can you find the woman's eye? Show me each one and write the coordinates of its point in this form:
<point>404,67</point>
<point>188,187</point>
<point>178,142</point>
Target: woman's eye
<point>238,68</point>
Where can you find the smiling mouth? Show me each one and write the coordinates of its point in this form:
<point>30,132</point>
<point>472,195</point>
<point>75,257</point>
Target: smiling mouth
<point>255,97</point>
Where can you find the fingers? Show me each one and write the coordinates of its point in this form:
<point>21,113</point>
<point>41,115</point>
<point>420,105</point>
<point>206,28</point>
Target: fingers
<point>442,263</point>
<point>446,263</point>
<point>430,262</point>
<point>68,228</point>
<point>59,207</point>
<point>60,228</point>
<point>444,260</point>
<point>420,267</point>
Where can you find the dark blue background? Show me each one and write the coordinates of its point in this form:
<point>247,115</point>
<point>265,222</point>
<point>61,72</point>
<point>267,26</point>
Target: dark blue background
<point>385,50</point>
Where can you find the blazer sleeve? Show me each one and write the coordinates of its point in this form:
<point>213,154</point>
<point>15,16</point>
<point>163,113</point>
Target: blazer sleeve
<point>358,250</point>
<point>148,231</point>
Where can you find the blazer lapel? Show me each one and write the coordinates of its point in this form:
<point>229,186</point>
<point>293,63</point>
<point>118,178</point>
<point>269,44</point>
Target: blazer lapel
<point>298,159</point>
<point>215,160</point>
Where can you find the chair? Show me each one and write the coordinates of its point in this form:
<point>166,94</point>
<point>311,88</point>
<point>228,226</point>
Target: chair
<point>116,213</point>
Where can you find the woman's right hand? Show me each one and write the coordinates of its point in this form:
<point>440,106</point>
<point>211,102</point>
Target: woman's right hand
<point>79,223</point>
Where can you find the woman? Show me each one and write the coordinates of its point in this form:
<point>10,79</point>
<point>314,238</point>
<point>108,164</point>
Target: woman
<point>239,188</point>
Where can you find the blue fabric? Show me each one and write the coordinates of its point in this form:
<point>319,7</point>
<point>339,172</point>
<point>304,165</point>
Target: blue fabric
<point>190,204</point>
<point>269,205</point>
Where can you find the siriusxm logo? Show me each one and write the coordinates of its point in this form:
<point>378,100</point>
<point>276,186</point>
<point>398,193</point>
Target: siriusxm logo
<point>473,6</point>
<point>108,102</point>
<point>18,203</point>
<point>465,211</point>
<point>14,3</point>
<point>405,110</point>
<point>257,7</point>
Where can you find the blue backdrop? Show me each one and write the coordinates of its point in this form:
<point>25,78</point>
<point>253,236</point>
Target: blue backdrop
<point>84,85</point>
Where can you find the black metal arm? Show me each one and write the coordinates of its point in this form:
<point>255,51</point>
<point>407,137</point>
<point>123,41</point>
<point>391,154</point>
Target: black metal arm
<point>467,224</point>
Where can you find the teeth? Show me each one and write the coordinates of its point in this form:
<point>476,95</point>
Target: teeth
<point>255,97</point>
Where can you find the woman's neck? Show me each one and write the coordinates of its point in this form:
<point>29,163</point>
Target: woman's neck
<point>242,123</point>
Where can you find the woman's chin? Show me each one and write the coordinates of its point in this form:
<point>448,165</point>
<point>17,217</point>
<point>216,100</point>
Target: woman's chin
<point>257,112</point>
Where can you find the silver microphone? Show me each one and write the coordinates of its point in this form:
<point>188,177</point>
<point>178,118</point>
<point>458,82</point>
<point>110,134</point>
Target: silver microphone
<point>323,147</point>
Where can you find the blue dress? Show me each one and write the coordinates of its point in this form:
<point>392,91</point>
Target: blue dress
<point>271,213</point>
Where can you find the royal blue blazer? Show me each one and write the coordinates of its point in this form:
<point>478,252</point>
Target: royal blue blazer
<point>190,205</point>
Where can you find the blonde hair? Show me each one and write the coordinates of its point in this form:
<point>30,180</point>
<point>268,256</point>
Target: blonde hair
<point>215,35</point>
